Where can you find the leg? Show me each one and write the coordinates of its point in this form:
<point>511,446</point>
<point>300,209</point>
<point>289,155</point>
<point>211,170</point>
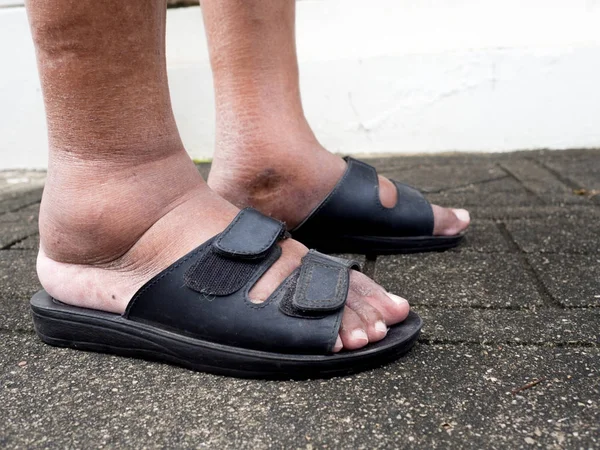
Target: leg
<point>266,154</point>
<point>123,200</point>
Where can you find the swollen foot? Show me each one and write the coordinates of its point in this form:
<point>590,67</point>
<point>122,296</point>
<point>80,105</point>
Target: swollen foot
<point>287,180</point>
<point>105,232</point>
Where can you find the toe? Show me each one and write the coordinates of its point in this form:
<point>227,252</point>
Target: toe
<point>448,221</point>
<point>375,324</point>
<point>353,331</point>
<point>339,345</point>
<point>392,308</point>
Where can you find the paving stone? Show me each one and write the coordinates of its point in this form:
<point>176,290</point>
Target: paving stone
<point>30,243</point>
<point>28,214</point>
<point>542,326</point>
<point>539,180</point>
<point>459,280</point>
<point>13,232</point>
<point>535,177</point>
<point>440,396</point>
<point>419,162</point>
<point>589,211</point>
<point>17,200</point>
<point>483,237</point>
<point>16,227</point>
<point>573,280</point>
<point>574,153</point>
<point>572,197</point>
<point>502,192</point>
<point>559,235</point>
<point>582,169</point>
<point>440,178</point>
<point>18,282</point>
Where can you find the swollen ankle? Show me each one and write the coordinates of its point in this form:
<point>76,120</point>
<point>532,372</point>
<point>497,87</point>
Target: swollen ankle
<point>94,216</point>
<point>284,178</point>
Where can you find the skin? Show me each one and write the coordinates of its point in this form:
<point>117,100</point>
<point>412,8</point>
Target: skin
<point>123,200</point>
<point>267,155</point>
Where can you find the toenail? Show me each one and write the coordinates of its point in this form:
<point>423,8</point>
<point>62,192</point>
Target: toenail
<point>338,345</point>
<point>381,327</point>
<point>462,214</point>
<point>360,335</point>
<point>397,300</point>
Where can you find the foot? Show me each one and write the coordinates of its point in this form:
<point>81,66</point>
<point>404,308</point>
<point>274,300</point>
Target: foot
<point>288,177</point>
<point>100,245</point>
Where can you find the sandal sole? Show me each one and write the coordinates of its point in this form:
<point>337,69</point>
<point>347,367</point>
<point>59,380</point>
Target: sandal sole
<point>63,325</point>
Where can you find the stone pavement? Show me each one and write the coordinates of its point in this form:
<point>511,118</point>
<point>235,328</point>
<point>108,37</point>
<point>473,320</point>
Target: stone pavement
<point>509,356</point>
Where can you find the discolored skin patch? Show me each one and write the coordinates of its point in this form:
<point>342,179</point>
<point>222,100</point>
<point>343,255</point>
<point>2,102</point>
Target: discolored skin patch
<point>265,185</point>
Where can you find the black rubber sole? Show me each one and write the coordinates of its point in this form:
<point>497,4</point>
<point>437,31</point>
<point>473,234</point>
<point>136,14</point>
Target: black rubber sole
<point>381,245</point>
<point>84,329</point>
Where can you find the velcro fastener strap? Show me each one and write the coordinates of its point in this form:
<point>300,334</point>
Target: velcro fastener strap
<point>250,235</point>
<point>322,285</point>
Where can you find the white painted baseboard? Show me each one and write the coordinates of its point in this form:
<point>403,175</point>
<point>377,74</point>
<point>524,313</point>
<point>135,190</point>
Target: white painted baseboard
<point>384,76</point>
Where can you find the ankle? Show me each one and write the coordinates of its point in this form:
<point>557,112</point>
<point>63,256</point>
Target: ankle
<point>280,174</point>
<point>94,213</point>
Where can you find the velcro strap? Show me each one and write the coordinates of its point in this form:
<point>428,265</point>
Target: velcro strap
<point>322,284</point>
<point>250,235</point>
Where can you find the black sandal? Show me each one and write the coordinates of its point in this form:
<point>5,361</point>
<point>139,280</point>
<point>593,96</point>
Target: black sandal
<point>197,313</point>
<point>351,219</point>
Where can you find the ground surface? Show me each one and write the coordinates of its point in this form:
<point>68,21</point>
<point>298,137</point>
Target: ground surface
<point>509,357</point>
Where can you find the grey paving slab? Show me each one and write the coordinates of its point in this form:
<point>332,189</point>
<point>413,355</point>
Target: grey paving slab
<point>459,280</point>
<point>14,201</point>
<point>502,192</point>
<point>13,232</point>
<point>418,162</point>
<point>559,235</point>
<point>572,197</point>
<point>548,183</point>
<point>27,214</point>
<point>17,226</point>
<point>573,280</point>
<point>483,236</point>
<point>440,396</point>
<point>535,177</point>
<point>440,178</point>
<point>584,211</point>
<point>18,282</point>
<point>583,168</point>
<point>30,243</point>
<point>545,183</point>
<point>546,326</point>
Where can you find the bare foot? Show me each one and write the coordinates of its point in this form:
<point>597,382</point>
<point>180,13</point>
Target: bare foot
<point>106,230</point>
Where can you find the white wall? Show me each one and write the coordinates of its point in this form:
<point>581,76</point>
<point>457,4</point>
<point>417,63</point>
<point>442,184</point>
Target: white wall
<point>380,76</point>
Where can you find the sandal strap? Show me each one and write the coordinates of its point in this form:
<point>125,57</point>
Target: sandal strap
<point>353,208</point>
<point>246,247</point>
<point>322,284</point>
<point>250,235</point>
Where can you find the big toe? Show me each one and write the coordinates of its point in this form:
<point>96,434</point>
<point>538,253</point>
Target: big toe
<point>449,221</point>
